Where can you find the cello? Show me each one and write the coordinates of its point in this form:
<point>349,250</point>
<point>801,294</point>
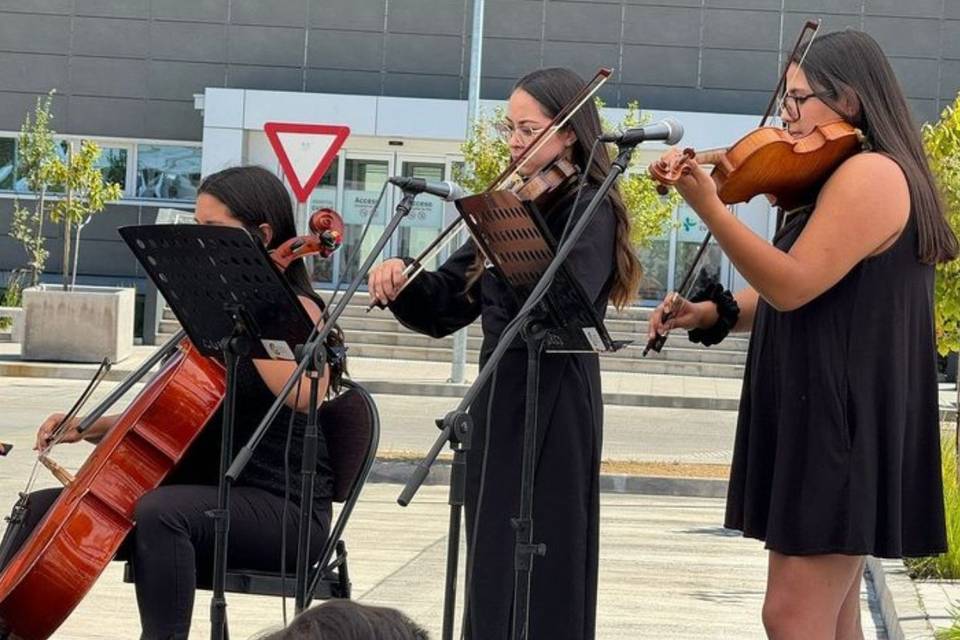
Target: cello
<point>63,556</point>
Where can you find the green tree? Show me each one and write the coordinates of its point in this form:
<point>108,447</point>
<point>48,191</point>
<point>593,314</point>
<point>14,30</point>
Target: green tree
<point>486,154</point>
<point>36,163</point>
<point>650,213</point>
<point>942,142</point>
<point>86,195</point>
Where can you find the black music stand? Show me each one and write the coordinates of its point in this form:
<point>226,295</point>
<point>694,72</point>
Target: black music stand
<point>232,301</point>
<point>518,243</point>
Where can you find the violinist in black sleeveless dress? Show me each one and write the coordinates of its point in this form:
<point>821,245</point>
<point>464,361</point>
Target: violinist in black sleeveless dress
<point>566,495</point>
<point>172,542</point>
<point>837,452</point>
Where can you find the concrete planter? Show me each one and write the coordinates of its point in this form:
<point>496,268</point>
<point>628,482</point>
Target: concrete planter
<point>86,324</point>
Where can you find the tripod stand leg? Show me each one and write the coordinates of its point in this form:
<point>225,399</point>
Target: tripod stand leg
<point>308,473</point>
<point>457,473</point>
<point>523,524</point>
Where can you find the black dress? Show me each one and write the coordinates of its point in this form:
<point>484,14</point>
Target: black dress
<point>566,490</point>
<point>838,443</point>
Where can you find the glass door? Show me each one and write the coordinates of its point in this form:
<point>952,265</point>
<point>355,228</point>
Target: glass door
<point>324,271</point>
<point>426,218</point>
<point>363,177</point>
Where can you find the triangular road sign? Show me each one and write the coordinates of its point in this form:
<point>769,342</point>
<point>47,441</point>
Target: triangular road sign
<point>305,151</point>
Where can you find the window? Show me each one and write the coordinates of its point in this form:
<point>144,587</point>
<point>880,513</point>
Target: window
<point>168,172</point>
<point>8,163</point>
<point>113,165</point>
<point>61,148</point>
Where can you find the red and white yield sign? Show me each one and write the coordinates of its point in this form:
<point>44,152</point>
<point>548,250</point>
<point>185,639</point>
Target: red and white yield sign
<point>305,151</point>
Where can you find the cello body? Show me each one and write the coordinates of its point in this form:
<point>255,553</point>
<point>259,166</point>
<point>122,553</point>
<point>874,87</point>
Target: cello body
<point>62,559</point>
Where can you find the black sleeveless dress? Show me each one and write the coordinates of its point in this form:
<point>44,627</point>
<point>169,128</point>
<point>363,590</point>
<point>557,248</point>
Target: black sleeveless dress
<point>265,470</point>
<point>838,441</point>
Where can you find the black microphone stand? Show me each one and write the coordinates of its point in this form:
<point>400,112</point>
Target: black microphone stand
<point>312,358</point>
<point>456,427</point>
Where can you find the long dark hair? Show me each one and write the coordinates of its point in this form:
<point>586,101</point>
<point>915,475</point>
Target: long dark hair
<point>349,620</point>
<point>553,88</point>
<point>850,69</point>
<point>256,196</point>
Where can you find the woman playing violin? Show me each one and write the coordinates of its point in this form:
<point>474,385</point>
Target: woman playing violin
<point>837,448</point>
<point>566,498</point>
<point>173,539</point>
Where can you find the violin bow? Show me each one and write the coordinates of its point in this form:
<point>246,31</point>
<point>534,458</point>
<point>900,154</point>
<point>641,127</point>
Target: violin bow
<point>683,291</point>
<point>57,433</point>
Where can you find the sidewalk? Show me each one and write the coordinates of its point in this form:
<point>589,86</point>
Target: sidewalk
<point>427,378</point>
<point>667,570</point>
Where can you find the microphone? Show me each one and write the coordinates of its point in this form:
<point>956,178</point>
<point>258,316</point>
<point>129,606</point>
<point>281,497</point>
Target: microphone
<point>327,225</point>
<point>668,130</point>
<point>446,190</point>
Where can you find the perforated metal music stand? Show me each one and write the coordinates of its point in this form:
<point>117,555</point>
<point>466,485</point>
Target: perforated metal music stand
<point>200,269</point>
<point>517,241</point>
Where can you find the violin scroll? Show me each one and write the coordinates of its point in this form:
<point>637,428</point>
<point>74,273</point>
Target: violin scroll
<point>669,169</point>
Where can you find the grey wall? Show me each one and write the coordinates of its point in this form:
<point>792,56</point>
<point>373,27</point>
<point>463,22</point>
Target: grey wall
<point>130,67</point>
<point>103,255</point>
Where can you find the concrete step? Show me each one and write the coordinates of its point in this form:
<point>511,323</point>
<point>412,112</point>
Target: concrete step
<point>607,363</point>
<point>622,329</point>
<point>378,334</point>
<point>361,327</point>
<point>679,362</point>
<point>675,350</point>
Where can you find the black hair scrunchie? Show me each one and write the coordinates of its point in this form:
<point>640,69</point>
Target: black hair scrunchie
<point>727,309</point>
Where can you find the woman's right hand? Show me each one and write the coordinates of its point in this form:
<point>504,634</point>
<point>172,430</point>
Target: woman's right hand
<point>683,315</point>
<point>385,280</point>
<point>46,429</point>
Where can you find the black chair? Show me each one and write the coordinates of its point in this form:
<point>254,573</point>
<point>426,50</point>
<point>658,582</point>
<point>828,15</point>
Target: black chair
<point>351,426</point>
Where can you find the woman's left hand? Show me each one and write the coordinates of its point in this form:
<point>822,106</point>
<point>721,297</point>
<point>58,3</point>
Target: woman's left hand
<point>695,186</point>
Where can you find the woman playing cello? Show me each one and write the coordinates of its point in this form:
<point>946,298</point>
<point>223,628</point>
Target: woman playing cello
<point>173,540</point>
<point>837,449</point>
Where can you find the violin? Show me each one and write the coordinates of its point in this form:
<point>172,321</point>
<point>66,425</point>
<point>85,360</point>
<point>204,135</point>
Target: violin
<point>769,161</point>
<point>68,550</point>
<point>548,184</point>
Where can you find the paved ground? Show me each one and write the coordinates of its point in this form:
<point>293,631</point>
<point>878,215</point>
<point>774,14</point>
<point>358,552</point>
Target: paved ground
<point>667,569</point>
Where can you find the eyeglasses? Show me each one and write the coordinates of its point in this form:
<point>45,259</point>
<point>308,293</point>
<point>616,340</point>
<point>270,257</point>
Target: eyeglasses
<point>526,132</point>
<point>792,103</point>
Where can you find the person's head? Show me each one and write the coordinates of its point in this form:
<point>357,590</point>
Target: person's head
<point>253,198</point>
<point>348,620</point>
<point>536,99</point>
<point>845,75</point>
